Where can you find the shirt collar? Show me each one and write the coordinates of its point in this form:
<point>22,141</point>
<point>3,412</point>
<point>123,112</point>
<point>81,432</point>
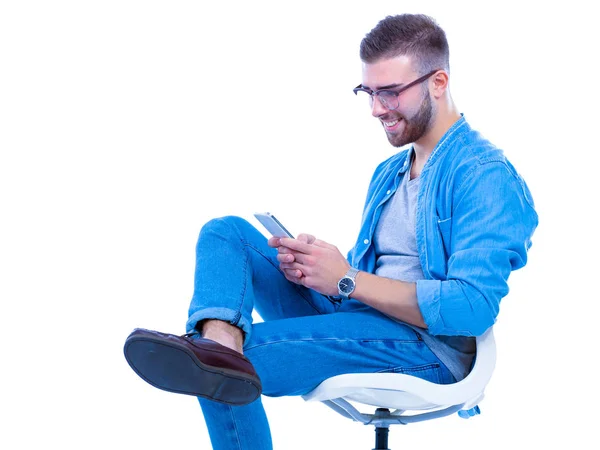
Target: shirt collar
<point>449,136</point>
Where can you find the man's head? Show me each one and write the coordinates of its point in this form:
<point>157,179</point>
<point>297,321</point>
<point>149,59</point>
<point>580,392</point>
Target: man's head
<point>399,51</point>
<point>414,35</point>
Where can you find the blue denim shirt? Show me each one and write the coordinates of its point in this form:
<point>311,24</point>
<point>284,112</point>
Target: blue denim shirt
<point>475,219</point>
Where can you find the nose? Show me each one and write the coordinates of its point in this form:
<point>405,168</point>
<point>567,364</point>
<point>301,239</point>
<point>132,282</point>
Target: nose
<point>377,109</point>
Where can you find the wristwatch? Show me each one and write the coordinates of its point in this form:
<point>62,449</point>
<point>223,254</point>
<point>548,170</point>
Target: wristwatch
<point>347,283</point>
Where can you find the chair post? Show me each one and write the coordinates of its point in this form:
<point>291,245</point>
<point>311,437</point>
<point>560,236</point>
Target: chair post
<point>381,438</point>
<point>382,429</point>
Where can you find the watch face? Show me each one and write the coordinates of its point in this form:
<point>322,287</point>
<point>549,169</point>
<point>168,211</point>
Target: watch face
<point>346,285</point>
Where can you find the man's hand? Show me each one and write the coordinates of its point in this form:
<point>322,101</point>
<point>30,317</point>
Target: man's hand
<point>285,256</point>
<point>311,262</point>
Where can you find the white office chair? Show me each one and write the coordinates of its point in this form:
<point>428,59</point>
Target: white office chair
<point>413,399</point>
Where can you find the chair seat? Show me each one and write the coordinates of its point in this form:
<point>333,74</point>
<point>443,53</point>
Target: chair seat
<point>406,392</point>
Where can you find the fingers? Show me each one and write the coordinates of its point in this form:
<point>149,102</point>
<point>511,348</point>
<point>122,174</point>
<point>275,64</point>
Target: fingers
<point>292,274</point>
<point>285,258</point>
<point>290,257</point>
<point>304,247</point>
<point>307,238</point>
<point>320,243</point>
<point>290,266</point>
<point>295,244</point>
<point>290,260</point>
<point>273,242</point>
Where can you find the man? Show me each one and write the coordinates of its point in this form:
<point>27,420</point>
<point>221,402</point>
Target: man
<point>444,224</point>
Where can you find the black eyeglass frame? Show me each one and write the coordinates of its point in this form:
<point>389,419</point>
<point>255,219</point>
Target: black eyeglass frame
<point>397,93</point>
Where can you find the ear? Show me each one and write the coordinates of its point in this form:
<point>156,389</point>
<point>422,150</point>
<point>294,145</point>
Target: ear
<point>439,83</point>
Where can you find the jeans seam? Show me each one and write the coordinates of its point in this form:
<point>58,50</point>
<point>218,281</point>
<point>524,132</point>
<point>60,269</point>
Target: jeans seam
<point>296,287</point>
<point>237,435</point>
<point>420,368</point>
<point>244,285</point>
<point>332,339</point>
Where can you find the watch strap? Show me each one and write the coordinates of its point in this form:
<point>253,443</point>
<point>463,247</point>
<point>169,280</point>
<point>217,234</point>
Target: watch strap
<point>352,272</point>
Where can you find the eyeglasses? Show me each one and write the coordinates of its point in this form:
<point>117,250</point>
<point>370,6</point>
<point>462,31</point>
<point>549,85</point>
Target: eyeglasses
<point>390,98</point>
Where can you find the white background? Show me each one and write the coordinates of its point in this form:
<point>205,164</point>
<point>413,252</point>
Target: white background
<point>125,125</point>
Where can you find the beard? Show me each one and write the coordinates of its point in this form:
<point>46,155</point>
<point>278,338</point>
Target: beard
<point>416,126</point>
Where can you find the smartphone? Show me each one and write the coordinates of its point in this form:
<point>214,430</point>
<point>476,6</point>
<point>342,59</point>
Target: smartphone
<point>273,226</point>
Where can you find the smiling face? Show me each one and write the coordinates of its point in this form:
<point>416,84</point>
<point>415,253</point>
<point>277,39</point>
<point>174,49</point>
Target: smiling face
<point>415,114</point>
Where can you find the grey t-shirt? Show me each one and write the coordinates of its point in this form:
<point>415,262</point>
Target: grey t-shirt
<point>397,258</point>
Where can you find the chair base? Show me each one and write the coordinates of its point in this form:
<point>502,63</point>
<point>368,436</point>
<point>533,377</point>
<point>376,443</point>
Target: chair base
<point>383,418</point>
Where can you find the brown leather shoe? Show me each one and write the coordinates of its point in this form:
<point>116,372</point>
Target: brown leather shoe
<point>198,366</point>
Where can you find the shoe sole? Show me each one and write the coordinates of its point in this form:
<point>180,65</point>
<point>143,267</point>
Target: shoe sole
<point>175,368</point>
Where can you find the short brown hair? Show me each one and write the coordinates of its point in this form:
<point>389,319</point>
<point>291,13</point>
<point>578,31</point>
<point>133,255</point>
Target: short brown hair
<point>414,35</point>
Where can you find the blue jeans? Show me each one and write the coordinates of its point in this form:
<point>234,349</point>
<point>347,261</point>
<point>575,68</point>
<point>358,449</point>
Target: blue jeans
<point>305,337</point>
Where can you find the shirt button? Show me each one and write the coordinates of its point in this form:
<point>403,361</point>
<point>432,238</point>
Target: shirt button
<point>366,241</point>
<point>388,192</point>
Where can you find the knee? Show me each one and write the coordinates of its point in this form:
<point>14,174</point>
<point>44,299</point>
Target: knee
<point>228,227</point>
